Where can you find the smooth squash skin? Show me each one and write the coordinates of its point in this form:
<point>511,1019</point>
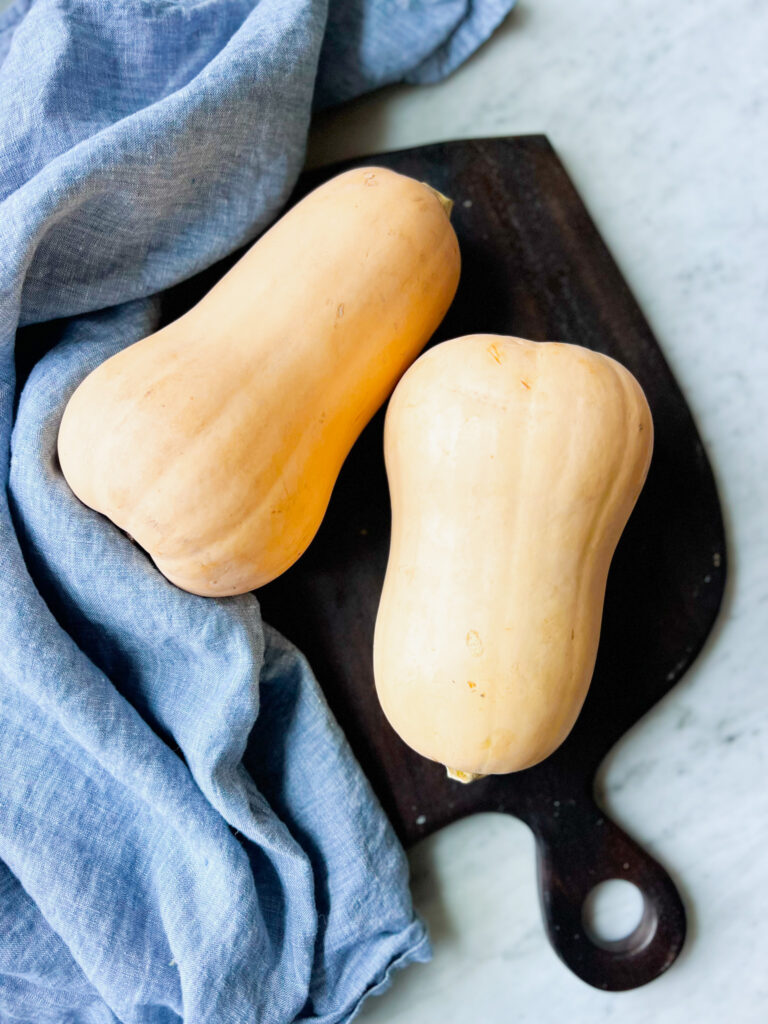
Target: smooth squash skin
<point>513,467</point>
<point>215,443</point>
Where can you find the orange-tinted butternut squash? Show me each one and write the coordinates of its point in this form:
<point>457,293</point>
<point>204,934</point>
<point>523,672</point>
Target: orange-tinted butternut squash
<point>215,443</point>
<point>513,467</point>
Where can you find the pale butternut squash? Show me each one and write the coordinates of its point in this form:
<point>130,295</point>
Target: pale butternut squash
<point>215,443</point>
<point>513,467</point>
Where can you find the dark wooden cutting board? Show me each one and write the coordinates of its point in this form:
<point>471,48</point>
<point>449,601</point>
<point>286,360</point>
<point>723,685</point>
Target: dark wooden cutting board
<point>533,266</point>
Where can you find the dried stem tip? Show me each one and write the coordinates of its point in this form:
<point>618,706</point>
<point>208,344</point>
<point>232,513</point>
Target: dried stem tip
<point>459,776</point>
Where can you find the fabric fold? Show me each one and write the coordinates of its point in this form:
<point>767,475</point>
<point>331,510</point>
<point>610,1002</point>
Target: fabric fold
<point>185,834</point>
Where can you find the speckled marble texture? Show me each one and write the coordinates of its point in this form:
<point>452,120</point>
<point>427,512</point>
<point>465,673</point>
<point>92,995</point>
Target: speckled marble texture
<point>660,113</point>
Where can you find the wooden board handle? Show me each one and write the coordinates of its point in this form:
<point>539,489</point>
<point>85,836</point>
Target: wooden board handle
<point>576,851</point>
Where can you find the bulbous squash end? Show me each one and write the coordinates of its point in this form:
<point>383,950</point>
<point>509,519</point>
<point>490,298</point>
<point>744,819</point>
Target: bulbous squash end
<point>228,578</point>
<point>74,438</point>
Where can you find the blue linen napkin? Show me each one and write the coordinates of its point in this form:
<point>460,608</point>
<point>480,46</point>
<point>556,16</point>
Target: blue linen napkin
<point>184,833</point>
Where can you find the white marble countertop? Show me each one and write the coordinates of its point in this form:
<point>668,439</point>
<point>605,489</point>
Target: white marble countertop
<point>660,113</point>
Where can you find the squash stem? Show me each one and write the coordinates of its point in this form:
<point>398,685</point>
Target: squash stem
<point>445,202</point>
<point>459,776</point>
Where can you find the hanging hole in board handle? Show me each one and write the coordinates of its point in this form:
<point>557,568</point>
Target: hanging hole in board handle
<point>616,917</point>
<point>577,853</point>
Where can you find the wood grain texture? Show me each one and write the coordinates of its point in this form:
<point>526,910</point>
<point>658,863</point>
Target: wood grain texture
<point>533,266</point>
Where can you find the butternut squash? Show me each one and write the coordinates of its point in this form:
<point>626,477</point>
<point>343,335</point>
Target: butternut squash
<point>513,467</point>
<point>215,442</point>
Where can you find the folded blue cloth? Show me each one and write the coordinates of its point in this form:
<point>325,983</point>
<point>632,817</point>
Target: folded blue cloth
<point>184,833</point>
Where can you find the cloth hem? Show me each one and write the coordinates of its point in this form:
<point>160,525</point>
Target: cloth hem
<point>465,40</point>
<point>421,952</point>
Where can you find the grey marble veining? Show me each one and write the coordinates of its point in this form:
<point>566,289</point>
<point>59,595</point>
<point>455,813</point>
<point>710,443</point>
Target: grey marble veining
<point>659,112</point>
